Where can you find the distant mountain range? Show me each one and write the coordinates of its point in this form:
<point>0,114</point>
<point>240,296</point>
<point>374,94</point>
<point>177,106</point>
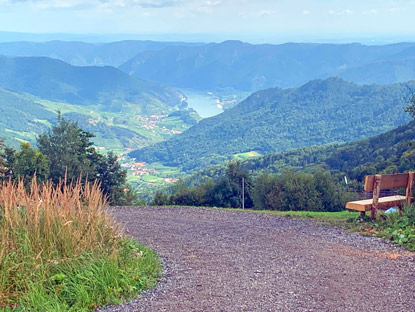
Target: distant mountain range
<point>277,120</point>
<point>85,54</point>
<point>107,86</point>
<point>243,66</point>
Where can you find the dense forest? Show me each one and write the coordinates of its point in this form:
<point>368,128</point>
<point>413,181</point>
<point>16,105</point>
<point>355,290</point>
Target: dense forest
<point>389,152</point>
<point>277,120</point>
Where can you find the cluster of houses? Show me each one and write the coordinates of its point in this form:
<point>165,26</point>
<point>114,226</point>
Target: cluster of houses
<point>152,121</point>
<point>138,168</point>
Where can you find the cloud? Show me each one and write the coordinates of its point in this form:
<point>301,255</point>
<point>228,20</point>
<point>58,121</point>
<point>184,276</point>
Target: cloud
<point>96,3</point>
<point>343,12</point>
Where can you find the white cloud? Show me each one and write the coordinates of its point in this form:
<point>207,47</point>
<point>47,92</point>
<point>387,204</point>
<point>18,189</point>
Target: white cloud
<point>370,12</point>
<point>341,12</point>
<point>97,3</point>
<point>306,12</point>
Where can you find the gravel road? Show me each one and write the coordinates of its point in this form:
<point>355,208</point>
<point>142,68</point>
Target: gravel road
<point>217,260</point>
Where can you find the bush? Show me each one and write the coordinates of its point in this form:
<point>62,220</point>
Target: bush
<point>297,191</point>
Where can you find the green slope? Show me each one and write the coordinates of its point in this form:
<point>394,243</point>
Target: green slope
<point>23,117</point>
<point>277,120</point>
<point>389,152</point>
<point>106,86</point>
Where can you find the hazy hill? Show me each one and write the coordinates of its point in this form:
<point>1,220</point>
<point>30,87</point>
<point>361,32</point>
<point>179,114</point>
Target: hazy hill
<point>244,66</point>
<point>21,117</point>
<point>84,54</point>
<point>24,116</point>
<point>277,120</point>
<point>107,86</point>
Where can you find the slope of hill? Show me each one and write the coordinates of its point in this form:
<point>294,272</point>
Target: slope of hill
<point>25,116</point>
<point>244,66</point>
<point>390,152</point>
<point>85,54</point>
<point>277,120</point>
<point>109,87</point>
<point>21,117</point>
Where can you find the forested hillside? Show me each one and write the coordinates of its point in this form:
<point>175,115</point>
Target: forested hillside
<point>243,66</point>
<point>278,120</point>
<point>85,54</point>
<point>58,81</point>
<point>389,152</point>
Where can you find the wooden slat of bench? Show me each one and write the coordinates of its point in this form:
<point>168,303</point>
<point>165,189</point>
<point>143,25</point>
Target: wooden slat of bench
<point>384,203</point>
<point>388,182</point>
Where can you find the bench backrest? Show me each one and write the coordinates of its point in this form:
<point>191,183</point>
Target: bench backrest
<point>388,181</point>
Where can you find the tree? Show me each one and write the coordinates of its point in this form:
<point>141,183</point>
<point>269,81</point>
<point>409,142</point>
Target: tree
<point>410,109</point>
<point>112,177</point>
<point>69,150</point>
<point>29,162</point>
<point>267,192</point>
<point>71,154</point>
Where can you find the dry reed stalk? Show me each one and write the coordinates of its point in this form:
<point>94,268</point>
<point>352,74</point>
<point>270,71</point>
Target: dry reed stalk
<point>63,220</point>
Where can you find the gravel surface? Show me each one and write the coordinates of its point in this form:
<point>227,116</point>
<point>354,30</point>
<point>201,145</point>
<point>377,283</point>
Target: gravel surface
<point>217,260</point>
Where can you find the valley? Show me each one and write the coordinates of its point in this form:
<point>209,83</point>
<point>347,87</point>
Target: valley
<point>263,152</point>
<point>161,134</point>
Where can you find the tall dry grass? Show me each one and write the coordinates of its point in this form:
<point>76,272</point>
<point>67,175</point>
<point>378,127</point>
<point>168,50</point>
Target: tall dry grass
<point>46,226</point>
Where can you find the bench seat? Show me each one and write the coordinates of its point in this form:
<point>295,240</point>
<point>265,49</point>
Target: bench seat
<point>384,203</point>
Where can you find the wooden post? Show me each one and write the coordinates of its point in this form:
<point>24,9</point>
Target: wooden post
<point>409,187</point>
<point>376,193</point>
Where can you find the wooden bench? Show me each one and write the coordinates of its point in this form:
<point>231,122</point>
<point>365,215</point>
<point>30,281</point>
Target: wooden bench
<point>378,182</point>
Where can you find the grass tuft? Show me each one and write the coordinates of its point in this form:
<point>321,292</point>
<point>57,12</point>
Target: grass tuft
<point>61,251</point>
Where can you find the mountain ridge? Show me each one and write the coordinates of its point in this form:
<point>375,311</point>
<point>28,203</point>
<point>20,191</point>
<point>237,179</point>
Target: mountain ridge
<point>274,120</point>
<point>56,80</point>
<point>79,53</point>
<point>245,66</point>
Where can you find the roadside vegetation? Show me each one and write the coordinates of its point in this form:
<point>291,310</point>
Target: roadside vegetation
<point>296,191</point>
<point>399,230</point>
<point>66,153</point>
<point>59,248</point>
<point>61,251</point>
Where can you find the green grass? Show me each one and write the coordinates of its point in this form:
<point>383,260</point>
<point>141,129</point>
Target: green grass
<point>61,251</point>
<point>88,281</point>
<point>246,155</point>
<point>338,218</point>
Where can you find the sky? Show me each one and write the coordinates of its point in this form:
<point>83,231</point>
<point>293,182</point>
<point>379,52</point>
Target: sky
<point>209,20</point>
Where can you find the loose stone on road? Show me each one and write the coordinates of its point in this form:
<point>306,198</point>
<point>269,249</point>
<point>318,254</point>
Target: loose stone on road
<point>219,260</point>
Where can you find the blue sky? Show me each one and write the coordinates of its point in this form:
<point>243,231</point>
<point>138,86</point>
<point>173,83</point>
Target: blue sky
<point>250,20</point>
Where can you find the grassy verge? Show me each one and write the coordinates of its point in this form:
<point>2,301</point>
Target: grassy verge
<point>61,251</point>
<point>399,230</point>
<point>341,218</point>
